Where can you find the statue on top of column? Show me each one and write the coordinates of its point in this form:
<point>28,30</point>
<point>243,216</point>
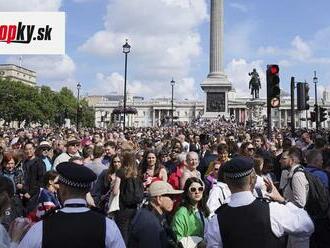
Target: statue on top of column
<point>254,84</point>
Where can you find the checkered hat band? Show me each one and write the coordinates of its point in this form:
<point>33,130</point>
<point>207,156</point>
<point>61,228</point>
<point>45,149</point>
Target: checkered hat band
<point>73,184</point>
<point>237,175</point>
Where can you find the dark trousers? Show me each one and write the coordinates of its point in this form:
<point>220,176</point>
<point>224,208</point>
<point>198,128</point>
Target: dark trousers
<point>123,218</point>
<point>321,236</point>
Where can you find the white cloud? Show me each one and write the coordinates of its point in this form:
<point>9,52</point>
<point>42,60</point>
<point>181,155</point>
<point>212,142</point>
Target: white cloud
<point>285,63</point>
<point>30,5</point>
<point>163,36</point>
<point>268,50</point>
<point>301,49</point>
<point>239,6</point>
<point>54,70</point>
<point>238,70</point>
<point>114,83</point>
<point>321,39</point>
<point>186,89</point>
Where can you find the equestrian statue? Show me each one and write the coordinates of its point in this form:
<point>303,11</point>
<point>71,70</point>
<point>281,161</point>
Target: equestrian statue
<point>254,84</point>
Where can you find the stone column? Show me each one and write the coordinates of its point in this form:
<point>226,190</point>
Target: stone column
<point>153,117</point>
<point>216,37</point>
<point>239,115</point>
<point>280,118</point>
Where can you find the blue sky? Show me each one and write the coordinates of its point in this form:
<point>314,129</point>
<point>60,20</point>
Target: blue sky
<point>170,38</point>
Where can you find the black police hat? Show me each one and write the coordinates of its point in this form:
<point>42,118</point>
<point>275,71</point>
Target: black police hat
<point>76,176</point>
<point>238,167</point>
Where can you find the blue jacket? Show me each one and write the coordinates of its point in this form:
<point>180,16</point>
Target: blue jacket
<point>321,174</point>
<point>149,229</point>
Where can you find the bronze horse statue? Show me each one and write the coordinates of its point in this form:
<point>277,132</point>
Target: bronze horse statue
<point>254,84</point>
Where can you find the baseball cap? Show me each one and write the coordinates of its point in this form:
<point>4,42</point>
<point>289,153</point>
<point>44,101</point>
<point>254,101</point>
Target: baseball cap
<point>159,188</point>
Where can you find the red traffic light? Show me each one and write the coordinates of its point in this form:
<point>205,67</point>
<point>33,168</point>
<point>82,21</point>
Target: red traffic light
<point>274,69</point>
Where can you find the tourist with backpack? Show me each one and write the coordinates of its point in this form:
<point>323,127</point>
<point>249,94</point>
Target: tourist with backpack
<point>314,160</point>
<point>131,192</point>
<point>307,191</point>
<point>295,189</point>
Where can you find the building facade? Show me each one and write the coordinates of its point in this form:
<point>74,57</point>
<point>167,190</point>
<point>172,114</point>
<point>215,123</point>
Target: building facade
<point>149,113</point>
<point>18,73</point>
<point>157,112</point>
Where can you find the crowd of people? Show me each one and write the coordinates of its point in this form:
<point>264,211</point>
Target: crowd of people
<point>207,184</point>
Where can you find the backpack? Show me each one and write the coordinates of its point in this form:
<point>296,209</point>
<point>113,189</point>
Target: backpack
<point>318,200</point>
<point>131,192</point>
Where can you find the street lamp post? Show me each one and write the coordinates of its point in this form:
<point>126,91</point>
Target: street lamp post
<point>315,80</point>
<point>78,97</point>
<point>172,102</point>
<point>126,50</point>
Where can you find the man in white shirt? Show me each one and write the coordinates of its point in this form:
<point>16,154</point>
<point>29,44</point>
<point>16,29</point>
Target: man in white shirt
<point>75,225</point>
<point>72,147</point>
<point>247,221</point>
<point>295,188</point>
<point>219,195</point>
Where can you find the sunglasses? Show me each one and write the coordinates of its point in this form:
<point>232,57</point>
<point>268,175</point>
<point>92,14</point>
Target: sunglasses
<point>194,190</point>
<point>250,149</point>
<point>216,169</point>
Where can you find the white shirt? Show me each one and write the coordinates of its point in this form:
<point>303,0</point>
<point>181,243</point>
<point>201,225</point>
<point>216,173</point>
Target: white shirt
<point>284,219</point>
<point>296,192</point>
<point>296,187</point>
<point>113,238</point>
<point>4,237</point>
<point>219,194</point>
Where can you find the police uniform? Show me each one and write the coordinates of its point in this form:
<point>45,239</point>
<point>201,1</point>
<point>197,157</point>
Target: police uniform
<point>75,225</point>
<point>247,221</point>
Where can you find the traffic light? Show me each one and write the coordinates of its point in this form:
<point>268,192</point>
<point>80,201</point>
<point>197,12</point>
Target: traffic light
<point>313,117</point>
<point>302,96</point>
<point>273,85</point>
<point>323,114</point>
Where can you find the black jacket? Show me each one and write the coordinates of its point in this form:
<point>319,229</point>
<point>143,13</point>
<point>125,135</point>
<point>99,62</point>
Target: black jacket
<point>34,171</point>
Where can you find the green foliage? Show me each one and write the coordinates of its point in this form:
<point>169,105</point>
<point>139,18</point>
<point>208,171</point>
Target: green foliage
<point>20,102</point>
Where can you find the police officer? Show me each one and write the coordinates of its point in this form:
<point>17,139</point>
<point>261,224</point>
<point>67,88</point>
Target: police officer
<point>75,225</point>
<point>247,221</point>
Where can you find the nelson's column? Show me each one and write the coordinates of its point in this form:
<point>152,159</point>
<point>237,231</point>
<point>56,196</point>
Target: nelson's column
<point>216,86</point>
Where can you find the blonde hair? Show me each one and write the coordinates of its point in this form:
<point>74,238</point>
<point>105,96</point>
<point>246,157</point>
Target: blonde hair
<point>211,167</point>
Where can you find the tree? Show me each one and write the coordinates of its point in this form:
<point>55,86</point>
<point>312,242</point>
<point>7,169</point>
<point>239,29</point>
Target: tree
<point>24,103</point>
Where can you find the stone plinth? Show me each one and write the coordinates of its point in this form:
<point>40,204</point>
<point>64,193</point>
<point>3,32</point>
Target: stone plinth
<point>255,114</point>
<point>216,102</point>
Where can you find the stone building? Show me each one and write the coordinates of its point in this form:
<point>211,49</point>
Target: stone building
<point>18,73</point>
<point>156,112</point>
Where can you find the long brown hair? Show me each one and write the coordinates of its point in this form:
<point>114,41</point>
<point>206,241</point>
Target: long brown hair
<point>128,164</point>
<point>111,170</point>
<point>144,163</point>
